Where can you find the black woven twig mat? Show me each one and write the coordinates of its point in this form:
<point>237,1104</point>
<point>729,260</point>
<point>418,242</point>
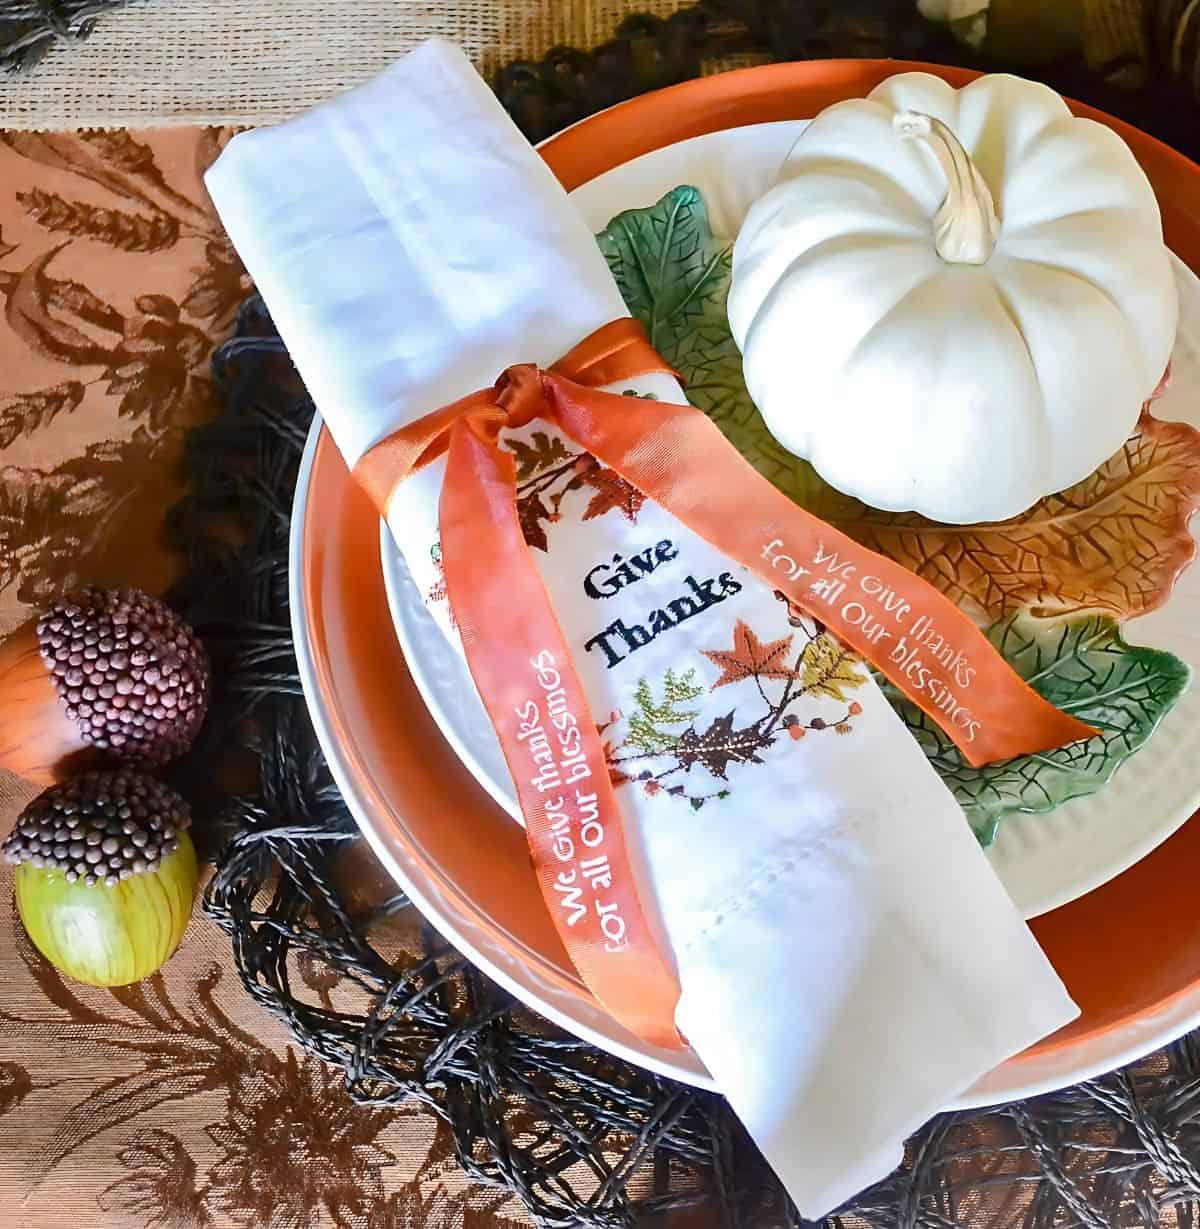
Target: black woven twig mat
<point>582,1138</point>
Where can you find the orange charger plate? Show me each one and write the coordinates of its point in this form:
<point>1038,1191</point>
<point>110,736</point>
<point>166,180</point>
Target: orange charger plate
<point>1129,951</point>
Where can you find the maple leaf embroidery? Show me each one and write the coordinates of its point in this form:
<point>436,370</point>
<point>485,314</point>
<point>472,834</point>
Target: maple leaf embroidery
<point>540,452</point>
<point>612,491</point>
<point>721,745</point>
<point>750,658</point>
<point>531,512</point>
<point>548,471</point>
<point>652,752</point>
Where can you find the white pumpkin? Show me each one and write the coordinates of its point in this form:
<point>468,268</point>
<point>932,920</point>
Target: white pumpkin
<point>954,301</point>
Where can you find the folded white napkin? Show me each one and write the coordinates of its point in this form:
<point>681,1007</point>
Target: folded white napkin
<point>848,960</point>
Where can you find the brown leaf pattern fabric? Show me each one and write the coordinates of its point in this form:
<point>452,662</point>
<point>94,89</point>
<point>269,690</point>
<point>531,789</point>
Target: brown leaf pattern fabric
<point>176,1103</point>
<point>115,279</point>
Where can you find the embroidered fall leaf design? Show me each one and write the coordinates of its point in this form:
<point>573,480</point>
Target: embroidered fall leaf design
<point>750,657</point>
<point>548,471</point>
<point>649,724</point>
<point>829,669</point>
<point>656,749</point>
<point>537,453</point>
<point>612,491</point>
<point>531,512</point>
<point>721,745</point>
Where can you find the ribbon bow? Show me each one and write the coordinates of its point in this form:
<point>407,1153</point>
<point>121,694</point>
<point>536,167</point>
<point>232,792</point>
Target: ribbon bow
<point>617,351</point>
<point>522,666</point>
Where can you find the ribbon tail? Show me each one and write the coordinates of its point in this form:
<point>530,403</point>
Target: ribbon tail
<point>919,639</point>
<point>619,350</point>
<point>522,667</point>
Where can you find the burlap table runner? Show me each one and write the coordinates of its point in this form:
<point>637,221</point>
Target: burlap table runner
<point>156,62</point>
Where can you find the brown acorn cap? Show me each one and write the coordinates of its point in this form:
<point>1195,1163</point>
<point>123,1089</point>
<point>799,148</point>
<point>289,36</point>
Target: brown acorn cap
<point>38,741</point>
<point>100,827</point>
<point>129,671</point>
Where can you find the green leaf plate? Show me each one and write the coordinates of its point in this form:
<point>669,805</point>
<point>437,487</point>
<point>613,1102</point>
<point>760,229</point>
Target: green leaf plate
<point>1084,666</point>
<point>674,276</point>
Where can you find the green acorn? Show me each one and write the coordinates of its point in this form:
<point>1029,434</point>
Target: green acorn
<point>105,875</point>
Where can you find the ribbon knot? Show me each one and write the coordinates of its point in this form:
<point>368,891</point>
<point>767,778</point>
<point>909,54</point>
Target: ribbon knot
<point>521,394</point>
<point>522,666</point>
<point>618,351</point>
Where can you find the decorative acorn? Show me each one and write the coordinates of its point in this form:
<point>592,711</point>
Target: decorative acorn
<point>111,671</point>
<point>105,876</point>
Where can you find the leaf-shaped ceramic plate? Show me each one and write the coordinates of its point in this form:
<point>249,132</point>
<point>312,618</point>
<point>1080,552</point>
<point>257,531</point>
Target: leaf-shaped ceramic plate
<point>1064,572</point>
<point>1113,632</point>
<point>1083,666</point>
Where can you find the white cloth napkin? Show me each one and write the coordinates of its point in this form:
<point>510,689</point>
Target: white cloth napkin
<point>848,960</point>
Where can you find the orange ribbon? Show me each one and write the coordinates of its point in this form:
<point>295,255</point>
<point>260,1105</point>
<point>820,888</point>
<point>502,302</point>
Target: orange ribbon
<point>522,666</point>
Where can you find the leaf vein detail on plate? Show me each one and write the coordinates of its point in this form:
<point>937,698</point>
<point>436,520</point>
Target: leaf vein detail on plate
<point>1052,585</point>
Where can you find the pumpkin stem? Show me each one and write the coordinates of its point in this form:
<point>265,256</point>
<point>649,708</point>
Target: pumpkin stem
<point>965,226</point>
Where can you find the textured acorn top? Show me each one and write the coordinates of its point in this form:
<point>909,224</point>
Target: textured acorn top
<point>100,827</point>
<point>131,673</point>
